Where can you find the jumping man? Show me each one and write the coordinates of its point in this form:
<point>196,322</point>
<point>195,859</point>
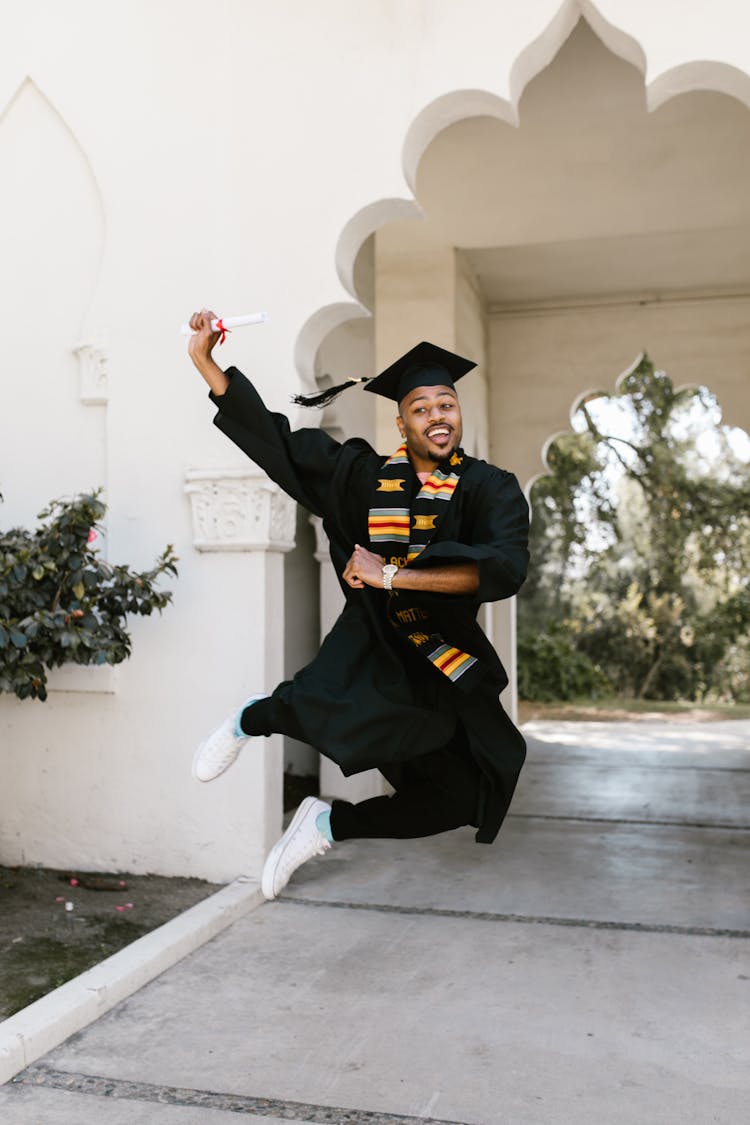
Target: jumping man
<point>406,681</point>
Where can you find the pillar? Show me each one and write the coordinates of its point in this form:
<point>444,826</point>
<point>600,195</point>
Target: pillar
<point>241,511</point>
<point>425,290</point>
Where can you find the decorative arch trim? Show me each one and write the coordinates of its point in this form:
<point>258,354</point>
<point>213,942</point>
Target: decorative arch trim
<point>702,74</point>
<point>458,105</point>
<point>622,376</point>
<point>361,226</point>
<point>580,398</point>
<point>534,58</point>
<point>90,349</point>
<point>311,336</point>
<point>445,111</point>
<point>30,83</point>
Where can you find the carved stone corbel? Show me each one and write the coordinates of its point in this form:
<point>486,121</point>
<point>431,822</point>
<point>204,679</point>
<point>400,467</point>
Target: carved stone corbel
<point>239,510</point>
<point>93,383</point>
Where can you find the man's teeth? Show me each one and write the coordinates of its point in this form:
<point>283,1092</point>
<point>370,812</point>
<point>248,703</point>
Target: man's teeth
<point>439,431</point>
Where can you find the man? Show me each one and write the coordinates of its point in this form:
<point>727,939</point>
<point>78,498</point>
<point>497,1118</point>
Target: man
<point>406,681</point>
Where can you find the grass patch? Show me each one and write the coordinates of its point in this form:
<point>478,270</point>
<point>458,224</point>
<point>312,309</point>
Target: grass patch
<point>43,943</point>
<point>35,966</point>
<point>612,710</point>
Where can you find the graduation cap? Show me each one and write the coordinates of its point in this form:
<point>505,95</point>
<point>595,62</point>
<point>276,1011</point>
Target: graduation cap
<point>425,365</point>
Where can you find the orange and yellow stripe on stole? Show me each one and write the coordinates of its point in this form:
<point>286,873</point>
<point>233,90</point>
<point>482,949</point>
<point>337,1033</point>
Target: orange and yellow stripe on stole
<point>439,486</point>
<point>452,662</point>
<point>386,524</point>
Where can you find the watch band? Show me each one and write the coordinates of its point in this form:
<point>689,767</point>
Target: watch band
<point>389,570</point>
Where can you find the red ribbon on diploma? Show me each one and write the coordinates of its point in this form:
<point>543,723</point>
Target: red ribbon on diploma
<point>220,328</point>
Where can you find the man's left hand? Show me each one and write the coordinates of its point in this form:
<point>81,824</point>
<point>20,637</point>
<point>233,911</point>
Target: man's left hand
<point>364,569</point>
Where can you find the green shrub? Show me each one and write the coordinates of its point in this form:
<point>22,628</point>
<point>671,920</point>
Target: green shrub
<point>551,668</point>
<point>60,602</point>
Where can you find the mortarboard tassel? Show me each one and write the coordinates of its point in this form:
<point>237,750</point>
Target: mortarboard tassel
<point>323,398</point>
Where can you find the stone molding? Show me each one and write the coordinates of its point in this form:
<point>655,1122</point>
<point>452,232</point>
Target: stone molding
<point>322,552</point>
<point>239,510</point>
<point>83,678</point>
<point>93,387</point>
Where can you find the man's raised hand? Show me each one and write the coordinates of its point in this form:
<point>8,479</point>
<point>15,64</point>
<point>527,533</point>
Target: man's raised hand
<point>204,339</point>
<point>200,346</point>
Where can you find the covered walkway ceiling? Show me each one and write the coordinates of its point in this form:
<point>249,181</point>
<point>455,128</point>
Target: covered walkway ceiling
<point>593,195</point>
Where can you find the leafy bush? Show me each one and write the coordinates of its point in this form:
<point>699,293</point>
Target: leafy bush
<point>551,668</point>
<point>60,602</point>
<point>640,542</point>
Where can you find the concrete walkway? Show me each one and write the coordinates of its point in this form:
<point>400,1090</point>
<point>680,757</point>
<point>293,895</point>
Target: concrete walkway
<point>591,968</point>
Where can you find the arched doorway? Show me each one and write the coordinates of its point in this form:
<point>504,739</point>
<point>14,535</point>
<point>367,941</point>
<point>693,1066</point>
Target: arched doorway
<point>553,241</point>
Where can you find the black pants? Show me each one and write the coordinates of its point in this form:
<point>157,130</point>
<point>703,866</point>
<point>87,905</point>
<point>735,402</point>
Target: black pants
<point>435,792</point>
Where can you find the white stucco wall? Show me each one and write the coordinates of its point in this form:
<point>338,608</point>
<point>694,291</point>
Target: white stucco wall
<point>566,352</point>
<point>166,156</point>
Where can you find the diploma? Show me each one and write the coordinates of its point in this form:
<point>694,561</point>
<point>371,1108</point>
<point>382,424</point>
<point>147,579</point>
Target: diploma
<point>227,323</point>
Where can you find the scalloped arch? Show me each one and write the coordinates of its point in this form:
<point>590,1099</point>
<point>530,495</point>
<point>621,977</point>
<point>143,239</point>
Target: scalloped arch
<point>718,77</point>
<point>314,331</point>
<point>445,111</point>
<point>582,396</point>
<point>541,51</point>
<point>689,385</point>
<point>534,58</point>
<point>361,226</point>
<point>576,402</point>
<point>458,105</point>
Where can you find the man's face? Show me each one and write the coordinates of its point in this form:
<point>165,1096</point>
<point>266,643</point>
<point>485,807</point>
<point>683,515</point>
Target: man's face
<point>430,420</point>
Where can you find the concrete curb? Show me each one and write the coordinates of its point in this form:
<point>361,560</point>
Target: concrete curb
<point>41,1026</point>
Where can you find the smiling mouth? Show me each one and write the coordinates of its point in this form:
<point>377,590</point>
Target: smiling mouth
<point>436,433</point>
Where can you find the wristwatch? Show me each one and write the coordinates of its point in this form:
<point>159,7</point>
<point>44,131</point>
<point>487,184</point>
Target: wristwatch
<point>388,572</point>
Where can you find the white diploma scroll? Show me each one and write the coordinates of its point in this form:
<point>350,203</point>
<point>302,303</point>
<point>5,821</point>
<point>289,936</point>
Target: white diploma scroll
<point>227,323</point>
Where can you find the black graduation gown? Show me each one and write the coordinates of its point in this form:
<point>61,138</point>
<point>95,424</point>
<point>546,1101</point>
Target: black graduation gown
<point>369,699</point>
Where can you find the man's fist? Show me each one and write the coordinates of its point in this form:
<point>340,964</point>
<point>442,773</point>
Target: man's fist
<point>364,569</point>
<point>204,339</point>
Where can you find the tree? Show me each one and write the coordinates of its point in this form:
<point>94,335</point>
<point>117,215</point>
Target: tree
<point>644,540</point>
<point>61,602</point>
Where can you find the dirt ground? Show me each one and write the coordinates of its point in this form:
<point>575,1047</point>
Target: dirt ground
<point>56,924</point>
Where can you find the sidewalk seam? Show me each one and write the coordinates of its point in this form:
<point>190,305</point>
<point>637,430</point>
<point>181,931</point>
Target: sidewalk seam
<point>517,919</point>
<point>304,1113</point>
<point>719,826</point>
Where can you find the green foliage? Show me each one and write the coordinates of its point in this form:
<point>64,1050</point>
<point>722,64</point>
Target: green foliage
<point>551,667</point>
<point>557,530</point>
<point>61,603</point>
<point>647,640</point>
<point>641,542</point>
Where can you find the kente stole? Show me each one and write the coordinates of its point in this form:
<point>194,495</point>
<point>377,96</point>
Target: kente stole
<point>400,534</point>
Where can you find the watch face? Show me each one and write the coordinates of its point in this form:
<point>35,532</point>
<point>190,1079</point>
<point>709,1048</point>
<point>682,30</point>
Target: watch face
<point>388,572</point>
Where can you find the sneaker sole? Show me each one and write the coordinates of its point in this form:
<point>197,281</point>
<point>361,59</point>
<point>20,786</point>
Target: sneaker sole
<point>196,756</point>
<point>199,751</point>
<point>277,851</point>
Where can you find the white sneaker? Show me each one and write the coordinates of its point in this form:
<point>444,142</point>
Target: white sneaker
<point>300,842</point>
<point>220,749</point>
